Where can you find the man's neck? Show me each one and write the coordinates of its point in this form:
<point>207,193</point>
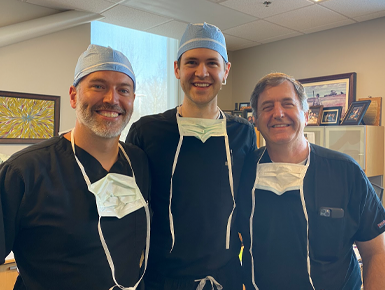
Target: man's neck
<point>206,111</point>
<point>288,154</point>
<point>105,150</point>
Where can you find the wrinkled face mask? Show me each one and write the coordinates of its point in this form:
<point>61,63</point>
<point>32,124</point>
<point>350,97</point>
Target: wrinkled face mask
<point>202,129</point>
<point>280,178</point>
<point>116,195</point>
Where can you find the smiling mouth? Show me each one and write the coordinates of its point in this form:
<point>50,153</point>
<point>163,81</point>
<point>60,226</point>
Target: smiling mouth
<point>108,114</point>
<point>280,126</point>
<point>200,85</point>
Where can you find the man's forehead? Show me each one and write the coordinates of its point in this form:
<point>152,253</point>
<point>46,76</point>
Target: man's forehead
<point>107,75</point>
<point>200,53</point>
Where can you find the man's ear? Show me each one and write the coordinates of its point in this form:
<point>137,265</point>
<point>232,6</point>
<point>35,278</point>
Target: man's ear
<point>306,114</point>
<point>73,94</point>
<point>176,70</point>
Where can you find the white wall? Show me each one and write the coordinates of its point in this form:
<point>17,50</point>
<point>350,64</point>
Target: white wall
<point>44,65</point>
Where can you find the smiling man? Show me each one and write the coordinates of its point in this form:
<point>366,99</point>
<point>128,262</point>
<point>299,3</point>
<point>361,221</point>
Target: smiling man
<point>196,154</point>
<point>302,206</point>
<point>73,208</point>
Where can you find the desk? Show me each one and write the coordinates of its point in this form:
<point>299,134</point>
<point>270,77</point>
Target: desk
<point>8,275</point>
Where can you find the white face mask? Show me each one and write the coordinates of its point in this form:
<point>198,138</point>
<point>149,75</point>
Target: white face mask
<point>116,195</point>
<point>202,129</point>
<point>279,178</point>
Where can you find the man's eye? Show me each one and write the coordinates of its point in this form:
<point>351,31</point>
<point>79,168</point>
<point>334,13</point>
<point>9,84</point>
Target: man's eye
<point>213,63</point>
<point>288,105</point>
<point>267,108</point>
<point>124,91</point>
<point>191,62</point>
<point>97,87</point>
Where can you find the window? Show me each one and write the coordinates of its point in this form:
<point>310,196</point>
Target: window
<point>152,59</point>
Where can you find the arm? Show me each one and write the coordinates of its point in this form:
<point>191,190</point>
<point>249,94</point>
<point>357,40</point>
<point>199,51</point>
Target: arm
<point>373,258</point>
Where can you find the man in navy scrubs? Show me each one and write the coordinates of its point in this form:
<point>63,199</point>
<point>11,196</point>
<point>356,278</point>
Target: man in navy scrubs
<point>196,154</point>
<point>302,206</point>
<point>73,208</point>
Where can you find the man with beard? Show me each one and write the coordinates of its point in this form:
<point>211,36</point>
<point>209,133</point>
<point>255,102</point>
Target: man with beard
<point>73,208</point>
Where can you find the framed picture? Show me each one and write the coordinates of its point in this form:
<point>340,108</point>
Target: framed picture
<point>373,113</point>
<point>248,115</point>
<point>331,91</point>
<point>238,113</point>
<point>28,118</point>
<point>314,115</point>
<point>331,116</point>
<point>244,106</point>
<point>355,113</point>
<point>230,112</point>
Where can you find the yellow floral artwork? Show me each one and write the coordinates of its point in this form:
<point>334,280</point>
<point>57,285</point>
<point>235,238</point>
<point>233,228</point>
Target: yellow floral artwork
<point>26,118</point>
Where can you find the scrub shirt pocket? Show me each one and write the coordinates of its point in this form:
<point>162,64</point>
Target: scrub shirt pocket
<point>326,239</point>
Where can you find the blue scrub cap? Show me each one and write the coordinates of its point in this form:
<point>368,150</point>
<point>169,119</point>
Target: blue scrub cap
<point>97,58</point>
<point>203,36</point>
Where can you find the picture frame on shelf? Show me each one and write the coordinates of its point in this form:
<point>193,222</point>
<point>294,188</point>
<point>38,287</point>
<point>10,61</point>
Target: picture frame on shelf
<point>331,116</point>
<point>331,91</point>
<point>373,113</point>
<point>238,113</point>
<point>28,118</point>
<point>244,106</point>
<point>248,115</point>
<point>355,113</point>
<point>315,115</point>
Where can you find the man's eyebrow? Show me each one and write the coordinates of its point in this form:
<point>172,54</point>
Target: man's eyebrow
<point>101,80</point>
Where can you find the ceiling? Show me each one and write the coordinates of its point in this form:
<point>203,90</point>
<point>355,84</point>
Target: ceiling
<point>245,23</point>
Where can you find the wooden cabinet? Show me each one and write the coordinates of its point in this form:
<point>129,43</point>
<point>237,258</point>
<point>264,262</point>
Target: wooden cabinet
<point>363,143</point>
<point>8,275</point>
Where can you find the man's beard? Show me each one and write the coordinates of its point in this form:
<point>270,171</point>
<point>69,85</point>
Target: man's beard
<point>105,129</point>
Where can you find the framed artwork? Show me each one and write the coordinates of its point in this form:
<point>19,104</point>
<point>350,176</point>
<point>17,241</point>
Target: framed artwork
<point>248,115</point>
<point>331,116</point>
<point>238,113</point>
<point>314,115</point>
<point>373,113</point>
<point>28,118</point>
<point>355,113</point>
<point>331,91</point>
<point>244,106</point>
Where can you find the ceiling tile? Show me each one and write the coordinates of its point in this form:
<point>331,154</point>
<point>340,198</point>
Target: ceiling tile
<point>95,6</point>
<point>258,9</point>
<point>354,8</point>
<point>370,16</point>
<point>329,26</point>
<point>259,31</point>
<point>196,11</point>
<point>173,29</point>
<point>133,18</point>
<point>306,18</point>
<point>235,43</point>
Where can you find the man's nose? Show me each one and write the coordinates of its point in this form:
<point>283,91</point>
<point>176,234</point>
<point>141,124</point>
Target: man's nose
<point>201,70</point>
<point>278,111</point>
<point>111,96</point>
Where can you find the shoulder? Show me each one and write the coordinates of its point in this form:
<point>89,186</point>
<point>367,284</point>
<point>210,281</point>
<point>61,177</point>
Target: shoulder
<point>145,121</point>
<point>134,151</point>
<point>324,154</point>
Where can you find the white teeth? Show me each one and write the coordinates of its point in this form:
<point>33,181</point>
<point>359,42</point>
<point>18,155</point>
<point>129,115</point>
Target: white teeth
<point>109,114</point>
<point>275,126</point>
<point>201,85</point>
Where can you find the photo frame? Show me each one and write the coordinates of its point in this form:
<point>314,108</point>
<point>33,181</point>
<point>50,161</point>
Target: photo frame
<point>331,116</point>
<point>244,106</point>
<point>28,118</point>
<point>314,115</point>
<point>238,113</point>
<point>248,115</point>
<point>355,113</point>
<point>373,113</point>
<point>331,91</point>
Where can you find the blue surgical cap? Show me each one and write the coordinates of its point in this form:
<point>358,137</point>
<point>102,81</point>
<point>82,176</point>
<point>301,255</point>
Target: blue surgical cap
<point>97,58</point>
<point>203,36</point>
